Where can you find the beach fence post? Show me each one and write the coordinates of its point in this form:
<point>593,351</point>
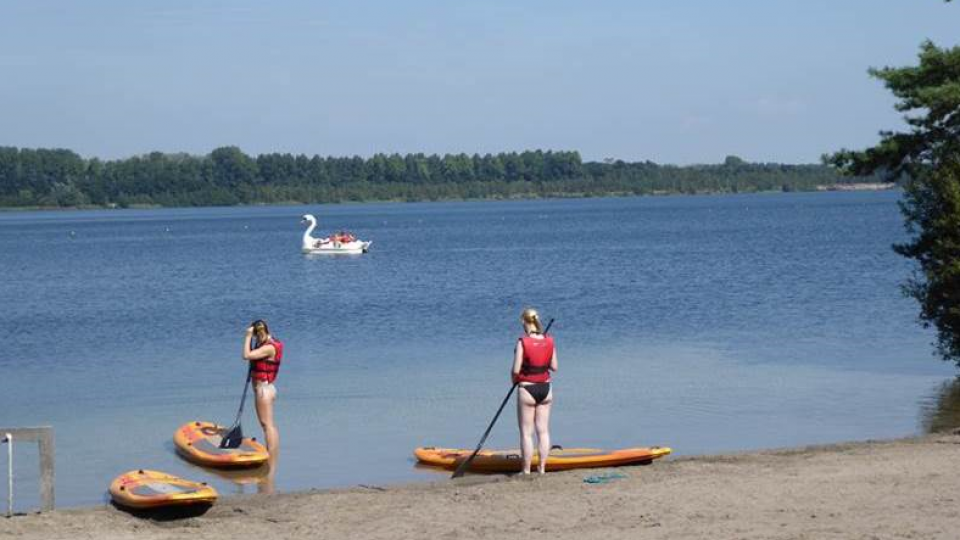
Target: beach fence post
<point>43,436</point>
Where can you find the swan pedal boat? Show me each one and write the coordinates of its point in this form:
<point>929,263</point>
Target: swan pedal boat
<point>343,244</point>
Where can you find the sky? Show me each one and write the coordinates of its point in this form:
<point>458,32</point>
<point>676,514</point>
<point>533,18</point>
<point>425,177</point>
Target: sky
<point>669,81</point>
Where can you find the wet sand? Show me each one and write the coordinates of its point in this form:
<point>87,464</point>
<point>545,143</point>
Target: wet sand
<point>908,488</point>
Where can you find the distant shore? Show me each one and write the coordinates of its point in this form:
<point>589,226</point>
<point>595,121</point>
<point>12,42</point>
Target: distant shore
<point>866,186</point>
<point>904,488</point>
<point>227,176</point>
<point>819,188</point>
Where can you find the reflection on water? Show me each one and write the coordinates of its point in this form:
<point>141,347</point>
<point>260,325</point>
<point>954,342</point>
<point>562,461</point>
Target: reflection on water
<point>941,412</point>
<point>266,485</point>
<point>238,481</point>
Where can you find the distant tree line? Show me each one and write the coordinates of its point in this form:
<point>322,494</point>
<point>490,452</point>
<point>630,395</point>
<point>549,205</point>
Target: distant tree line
<point>227,176</point>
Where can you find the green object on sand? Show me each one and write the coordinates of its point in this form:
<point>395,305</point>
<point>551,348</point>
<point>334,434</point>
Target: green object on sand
<point>604,478</point>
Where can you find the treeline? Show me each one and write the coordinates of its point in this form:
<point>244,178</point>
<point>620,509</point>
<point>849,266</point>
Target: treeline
<point>227,176</point>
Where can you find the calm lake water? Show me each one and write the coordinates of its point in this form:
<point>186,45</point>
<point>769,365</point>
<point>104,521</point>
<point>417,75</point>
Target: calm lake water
<point>707,324</point>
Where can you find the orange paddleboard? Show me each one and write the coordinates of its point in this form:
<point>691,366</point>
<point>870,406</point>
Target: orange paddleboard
<point>155,489</point>
<point>503,461</point>
<point>200,443</point>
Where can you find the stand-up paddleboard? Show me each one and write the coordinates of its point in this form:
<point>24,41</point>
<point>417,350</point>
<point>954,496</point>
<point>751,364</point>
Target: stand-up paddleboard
<point>153,489</point>
<point>504,461</point>
<point>200,443</point>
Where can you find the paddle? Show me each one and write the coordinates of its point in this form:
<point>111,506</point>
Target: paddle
<point>462,468</point>
<point>234,436</point>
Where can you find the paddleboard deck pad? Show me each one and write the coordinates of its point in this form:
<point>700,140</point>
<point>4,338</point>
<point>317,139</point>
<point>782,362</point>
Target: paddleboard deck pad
<point>143,489</point>
<point>199,442</point>
<point>506,461</point>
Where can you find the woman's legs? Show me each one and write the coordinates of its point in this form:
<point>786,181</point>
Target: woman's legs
<point>542,422</point>
<point>526,407</point>
<point>266,395</point>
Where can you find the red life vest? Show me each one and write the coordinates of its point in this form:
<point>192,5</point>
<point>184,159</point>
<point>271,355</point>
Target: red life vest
<point>537,355</point>
<point>266,370</point>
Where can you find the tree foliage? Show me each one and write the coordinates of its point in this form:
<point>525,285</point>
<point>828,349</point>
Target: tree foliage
<point>227,176</point>
<point>927,158</point>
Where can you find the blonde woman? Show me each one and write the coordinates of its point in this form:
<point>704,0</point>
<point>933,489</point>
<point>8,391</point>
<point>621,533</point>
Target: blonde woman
<point>264,361</point>
<point>534,358</point>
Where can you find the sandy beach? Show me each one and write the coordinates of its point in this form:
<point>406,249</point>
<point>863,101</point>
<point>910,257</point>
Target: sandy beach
<point>905,488</point>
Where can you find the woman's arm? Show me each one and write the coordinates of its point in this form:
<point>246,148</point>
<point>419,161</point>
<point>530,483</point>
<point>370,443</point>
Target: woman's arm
<point>517,361</point>
<point>263,352</point>
<point>553,361</point>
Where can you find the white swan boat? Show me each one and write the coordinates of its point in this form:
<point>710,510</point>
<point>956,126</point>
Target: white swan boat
<point>342,242</point>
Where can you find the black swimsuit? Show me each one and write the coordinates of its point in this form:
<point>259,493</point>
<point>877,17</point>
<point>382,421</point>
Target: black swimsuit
<point>538,391</point>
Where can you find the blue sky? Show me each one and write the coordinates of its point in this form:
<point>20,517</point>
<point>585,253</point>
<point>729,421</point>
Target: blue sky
<point>664,80</point>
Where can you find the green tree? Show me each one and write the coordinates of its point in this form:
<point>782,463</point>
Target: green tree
<point>231,167</point>
<point>733,161</point>
<point>926,160</point>
<point>65,194</point>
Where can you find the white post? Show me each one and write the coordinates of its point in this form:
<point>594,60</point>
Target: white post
<point>8,438</point>
<point>43,436</point>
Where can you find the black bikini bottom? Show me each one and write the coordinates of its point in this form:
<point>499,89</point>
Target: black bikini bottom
<point>538,391</point>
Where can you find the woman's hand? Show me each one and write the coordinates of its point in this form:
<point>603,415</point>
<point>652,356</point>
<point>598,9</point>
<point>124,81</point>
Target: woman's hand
<point>517,362</point>
<point>247,343</point>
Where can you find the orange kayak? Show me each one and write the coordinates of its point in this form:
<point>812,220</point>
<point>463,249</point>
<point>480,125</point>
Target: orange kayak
<point>503,461</point>
<point>155,489</point>
<point>200,443</point>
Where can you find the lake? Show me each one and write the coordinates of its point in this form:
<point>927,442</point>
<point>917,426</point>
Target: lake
<point>704,323</point>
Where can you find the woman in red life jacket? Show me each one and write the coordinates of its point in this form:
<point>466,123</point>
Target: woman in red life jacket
<point>533,360</point>
<point>264,364</point>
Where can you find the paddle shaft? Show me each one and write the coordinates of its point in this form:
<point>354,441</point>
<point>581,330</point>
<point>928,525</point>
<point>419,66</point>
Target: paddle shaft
<point>246,385</point>
<point>233,437</point>
<point>243,399</point>
<point>462,468</point>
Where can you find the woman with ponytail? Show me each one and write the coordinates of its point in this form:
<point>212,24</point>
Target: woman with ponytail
<point>534,358</point>
<point>264,352</point>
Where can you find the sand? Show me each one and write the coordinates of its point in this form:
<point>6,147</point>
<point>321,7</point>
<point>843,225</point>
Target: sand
<point>907,488</point>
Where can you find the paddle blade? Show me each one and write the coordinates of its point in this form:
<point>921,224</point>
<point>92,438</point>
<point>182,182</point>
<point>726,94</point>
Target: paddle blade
<point>232,438</point>
<point>462,467</point>
<point>465,464</point>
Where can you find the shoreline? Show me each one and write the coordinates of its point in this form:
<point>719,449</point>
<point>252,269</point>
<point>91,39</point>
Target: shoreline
<point>870,489</point>
<point>860,187</point>
<point>863,186</point>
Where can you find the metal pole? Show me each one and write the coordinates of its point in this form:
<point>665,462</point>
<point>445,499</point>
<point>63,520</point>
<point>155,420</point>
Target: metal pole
<point>8,438</point>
